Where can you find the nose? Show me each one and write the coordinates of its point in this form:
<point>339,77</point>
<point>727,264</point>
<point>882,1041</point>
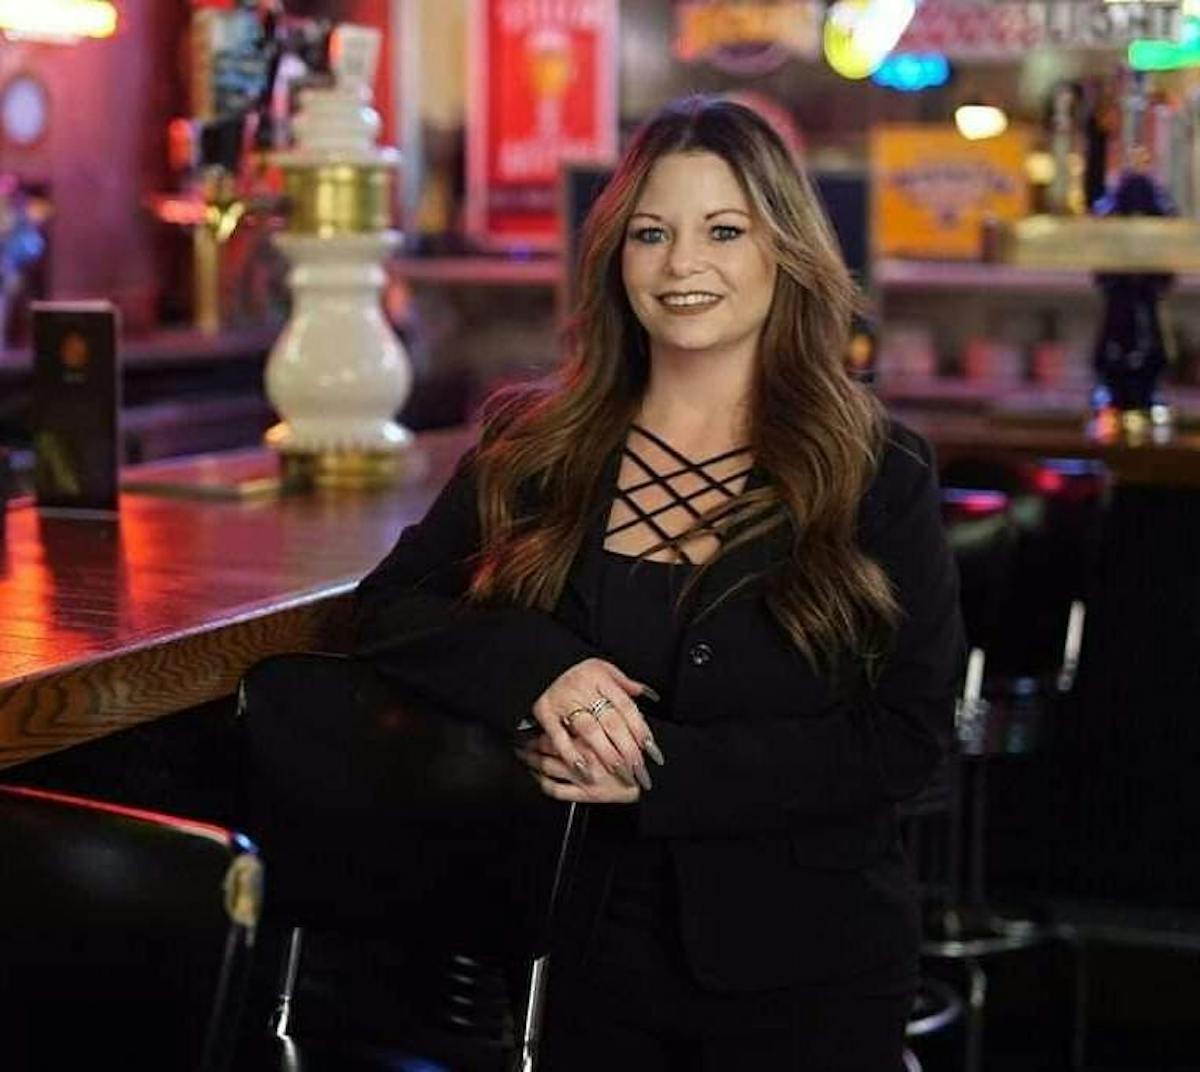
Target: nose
<point>684,257</point>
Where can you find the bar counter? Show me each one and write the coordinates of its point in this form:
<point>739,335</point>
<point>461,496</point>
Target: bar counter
<point>106,624</point>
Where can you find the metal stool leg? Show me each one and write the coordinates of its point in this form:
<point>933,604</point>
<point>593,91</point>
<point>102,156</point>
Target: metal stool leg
<point>531,1033</point>
<point>287,984</point>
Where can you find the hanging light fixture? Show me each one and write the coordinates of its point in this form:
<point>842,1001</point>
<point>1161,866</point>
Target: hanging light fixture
<point>859,34</point>
<point>57,20</point>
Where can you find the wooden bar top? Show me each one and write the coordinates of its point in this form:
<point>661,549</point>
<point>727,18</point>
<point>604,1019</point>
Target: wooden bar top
<point>105,624</point>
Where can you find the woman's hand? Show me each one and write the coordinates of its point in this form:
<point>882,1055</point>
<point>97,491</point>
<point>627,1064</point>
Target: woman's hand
<point>561,782</point>
<point>591,704</point>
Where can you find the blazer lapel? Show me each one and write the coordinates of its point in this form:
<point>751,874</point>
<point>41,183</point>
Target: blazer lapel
<point>580,599</point>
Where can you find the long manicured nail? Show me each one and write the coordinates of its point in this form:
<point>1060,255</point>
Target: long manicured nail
<point>648,691</point>
<point>653,751</point>
<point>585,775</point>
<point>621,775</point>
<point>643,777</point>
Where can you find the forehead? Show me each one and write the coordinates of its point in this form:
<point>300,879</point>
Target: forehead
<point>699,180</point>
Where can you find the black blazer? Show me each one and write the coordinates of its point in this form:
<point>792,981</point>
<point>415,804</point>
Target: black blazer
<point>779,792</point>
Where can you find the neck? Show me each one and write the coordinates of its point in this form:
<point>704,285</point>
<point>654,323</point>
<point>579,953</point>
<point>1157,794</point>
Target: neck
<point>698,400</point>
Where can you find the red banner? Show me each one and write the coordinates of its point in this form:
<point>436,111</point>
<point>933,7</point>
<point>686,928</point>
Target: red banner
<point>542,91</point>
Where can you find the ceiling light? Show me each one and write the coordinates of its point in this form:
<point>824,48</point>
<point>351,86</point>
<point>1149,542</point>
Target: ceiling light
<point>57,20</point>
<point>978,121</point>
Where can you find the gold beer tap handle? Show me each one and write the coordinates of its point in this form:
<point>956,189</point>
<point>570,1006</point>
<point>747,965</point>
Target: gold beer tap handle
<point>222,218</point>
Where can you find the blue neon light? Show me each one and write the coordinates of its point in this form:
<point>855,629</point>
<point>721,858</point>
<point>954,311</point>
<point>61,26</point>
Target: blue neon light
<point>910,72</point>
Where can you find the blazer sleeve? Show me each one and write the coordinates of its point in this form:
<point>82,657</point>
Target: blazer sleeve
<point>486,664</point>
<point>787,771</point>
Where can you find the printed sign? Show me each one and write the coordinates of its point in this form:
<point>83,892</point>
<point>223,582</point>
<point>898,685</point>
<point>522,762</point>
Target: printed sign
<point>76,406</point>
<point>1003,29</point>
<point>543,91</point>
<point>748,38</point>
<point>933,189</point>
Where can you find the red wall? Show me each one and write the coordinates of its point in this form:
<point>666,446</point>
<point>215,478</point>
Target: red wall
<point>105,148</point>
<point>103,151</point>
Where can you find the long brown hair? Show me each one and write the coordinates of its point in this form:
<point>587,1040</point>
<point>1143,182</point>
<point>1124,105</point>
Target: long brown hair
<point>815,432</point>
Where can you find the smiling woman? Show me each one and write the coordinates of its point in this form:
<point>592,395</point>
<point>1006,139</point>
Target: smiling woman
<point>699,272</point>
<point>707,580</point>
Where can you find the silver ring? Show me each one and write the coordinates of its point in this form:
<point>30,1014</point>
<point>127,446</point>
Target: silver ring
<point>599,705</point>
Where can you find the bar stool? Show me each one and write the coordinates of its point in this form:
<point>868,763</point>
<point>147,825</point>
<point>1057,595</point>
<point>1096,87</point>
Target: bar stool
<point>125,935</point>
<point>1003,711</point>
<point>408,841</point>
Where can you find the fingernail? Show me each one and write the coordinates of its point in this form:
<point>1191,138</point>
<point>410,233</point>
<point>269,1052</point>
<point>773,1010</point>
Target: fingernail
<point>648,691</point>
<point>585,775</point>
<point>621,775</point>
<point>653,751</point>
<point>643,777</point>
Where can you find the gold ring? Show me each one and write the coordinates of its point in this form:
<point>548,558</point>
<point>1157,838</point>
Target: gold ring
<point>568,720</point>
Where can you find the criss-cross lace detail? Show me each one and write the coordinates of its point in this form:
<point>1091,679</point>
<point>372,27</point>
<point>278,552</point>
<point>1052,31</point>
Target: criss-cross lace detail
<point>657,512</point>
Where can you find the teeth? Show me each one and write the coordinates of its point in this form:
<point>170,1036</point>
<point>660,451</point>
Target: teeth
<point>694,298</point>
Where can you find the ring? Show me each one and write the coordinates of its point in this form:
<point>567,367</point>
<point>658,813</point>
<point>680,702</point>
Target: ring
<point>599,706</point>
<point>568,720</point>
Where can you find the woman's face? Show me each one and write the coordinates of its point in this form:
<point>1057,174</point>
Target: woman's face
<point>696,264</point>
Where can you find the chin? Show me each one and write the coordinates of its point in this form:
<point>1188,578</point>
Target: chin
<point>688,340</point>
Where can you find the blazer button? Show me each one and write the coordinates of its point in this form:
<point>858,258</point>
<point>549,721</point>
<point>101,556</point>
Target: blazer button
<point>700,653</point>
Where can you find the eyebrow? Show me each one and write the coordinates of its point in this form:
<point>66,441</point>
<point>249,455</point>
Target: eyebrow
<point>708,216</point>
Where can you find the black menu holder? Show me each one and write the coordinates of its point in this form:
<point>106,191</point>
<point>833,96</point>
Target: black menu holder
<point>76,407</point>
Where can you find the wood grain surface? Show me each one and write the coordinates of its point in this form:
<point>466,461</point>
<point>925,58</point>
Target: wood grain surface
<point>105,624</point>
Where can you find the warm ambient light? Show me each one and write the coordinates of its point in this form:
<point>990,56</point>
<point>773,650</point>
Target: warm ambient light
<point>859,34</point>
<point>978,121</point>
<point>57,20</point>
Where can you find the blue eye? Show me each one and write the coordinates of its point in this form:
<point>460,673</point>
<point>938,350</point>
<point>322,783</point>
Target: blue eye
<point>649,235</point>
<point>726,232</point>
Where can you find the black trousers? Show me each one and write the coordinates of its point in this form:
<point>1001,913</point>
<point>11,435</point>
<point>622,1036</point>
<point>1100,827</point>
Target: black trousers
<point>635,1007</point>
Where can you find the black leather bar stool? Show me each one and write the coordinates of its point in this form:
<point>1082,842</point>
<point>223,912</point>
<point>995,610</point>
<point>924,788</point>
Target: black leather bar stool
<point>1018,541</point>
<point>125,936</point>
<point>413,862</point>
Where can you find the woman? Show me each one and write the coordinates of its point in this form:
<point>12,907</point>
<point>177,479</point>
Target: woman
<point>710,575</point>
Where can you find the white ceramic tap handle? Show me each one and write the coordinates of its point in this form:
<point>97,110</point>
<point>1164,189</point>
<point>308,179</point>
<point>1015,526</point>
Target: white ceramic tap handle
<point>354,51</point>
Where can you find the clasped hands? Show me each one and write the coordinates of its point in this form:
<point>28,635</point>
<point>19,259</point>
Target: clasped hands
<point>593,739</point>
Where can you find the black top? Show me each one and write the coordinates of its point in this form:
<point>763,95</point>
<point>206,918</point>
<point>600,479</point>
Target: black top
<point>639,627</point>
<point>640,633</point>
